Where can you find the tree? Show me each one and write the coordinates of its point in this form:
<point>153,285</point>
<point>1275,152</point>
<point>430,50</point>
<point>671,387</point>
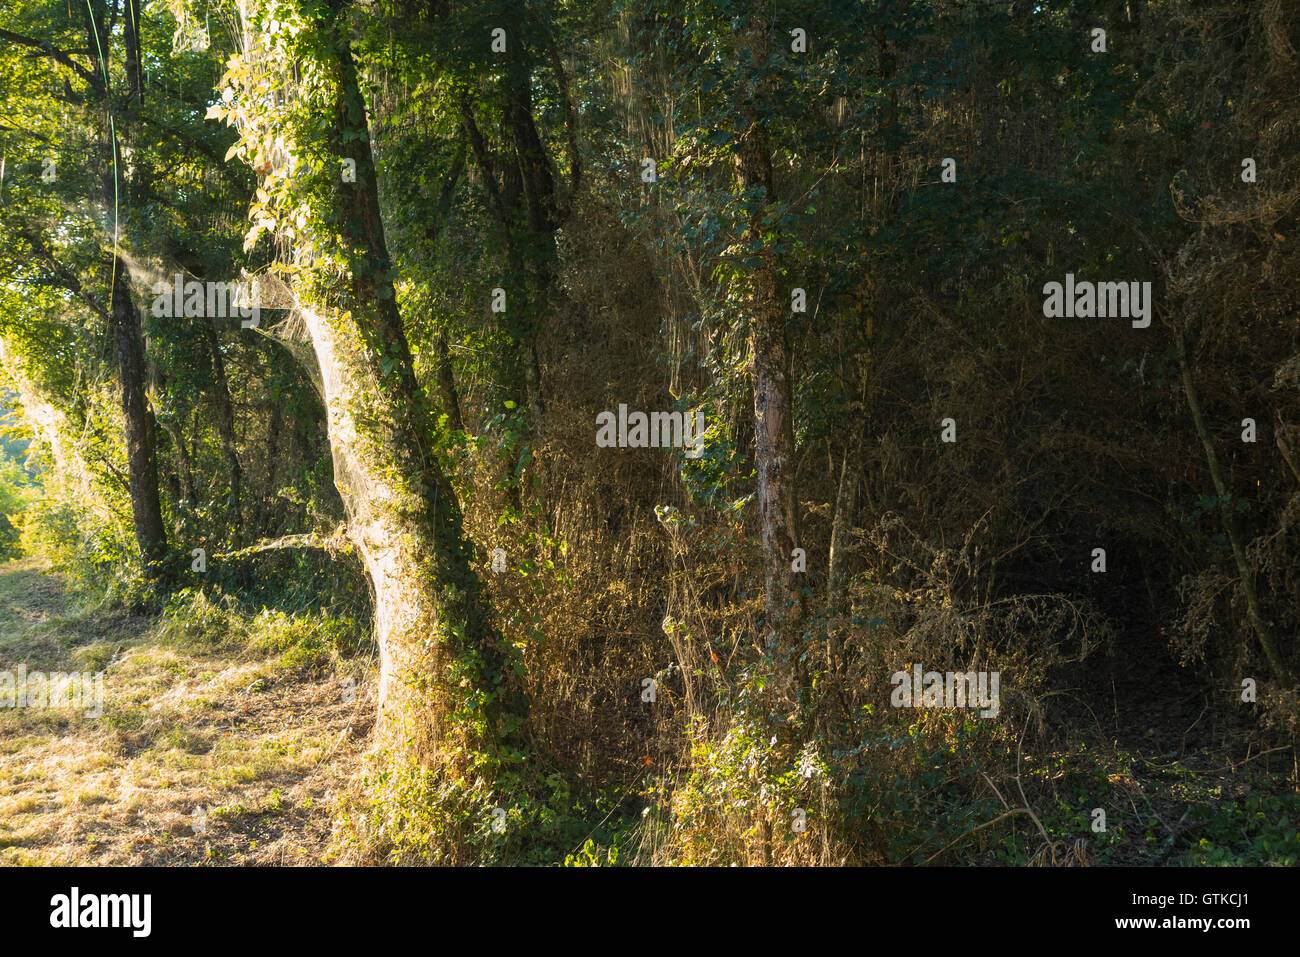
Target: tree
<point>448,680</point>
<point>108,97</point>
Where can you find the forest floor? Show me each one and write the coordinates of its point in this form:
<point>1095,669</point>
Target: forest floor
<point>217,756</point>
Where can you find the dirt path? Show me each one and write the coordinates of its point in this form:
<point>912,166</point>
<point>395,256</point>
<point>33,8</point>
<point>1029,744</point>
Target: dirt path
<point>200,756</point>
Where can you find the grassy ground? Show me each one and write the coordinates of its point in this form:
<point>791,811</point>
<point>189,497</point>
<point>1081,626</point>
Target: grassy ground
<point>221,753</point>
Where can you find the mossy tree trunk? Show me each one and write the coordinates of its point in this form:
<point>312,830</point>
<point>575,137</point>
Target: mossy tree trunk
<point>445,671</point>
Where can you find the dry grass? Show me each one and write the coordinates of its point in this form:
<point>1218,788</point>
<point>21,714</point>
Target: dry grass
<point>262,748</point>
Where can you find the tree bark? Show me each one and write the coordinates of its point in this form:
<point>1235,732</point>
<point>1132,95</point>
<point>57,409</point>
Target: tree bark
<point>439,652</point>
<point>142,468</point>
<point>770,370</point>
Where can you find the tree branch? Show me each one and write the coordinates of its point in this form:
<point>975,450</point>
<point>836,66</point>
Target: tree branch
<point>570,126</point>
<point>48,49</point>
<point>64,277</point>
<point>448,189</point>
<point>482,157</point>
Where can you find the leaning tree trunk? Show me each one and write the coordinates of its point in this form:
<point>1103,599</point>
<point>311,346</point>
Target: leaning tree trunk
<point>444,670</point>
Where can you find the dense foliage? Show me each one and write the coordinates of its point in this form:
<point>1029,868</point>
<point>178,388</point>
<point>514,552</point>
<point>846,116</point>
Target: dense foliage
<point>477,227</point>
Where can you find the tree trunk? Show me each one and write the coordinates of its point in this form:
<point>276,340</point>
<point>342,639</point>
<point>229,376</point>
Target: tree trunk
<point>770,368</point>
<point>226,430</point>
<point>440,656</point>
<point>184,473</point>
<point>262,516</point>
<point>447,385</point>
<point>1230,525</point>
<point>123,316</point>
<point>142,469</point>
<point>844,499</point>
